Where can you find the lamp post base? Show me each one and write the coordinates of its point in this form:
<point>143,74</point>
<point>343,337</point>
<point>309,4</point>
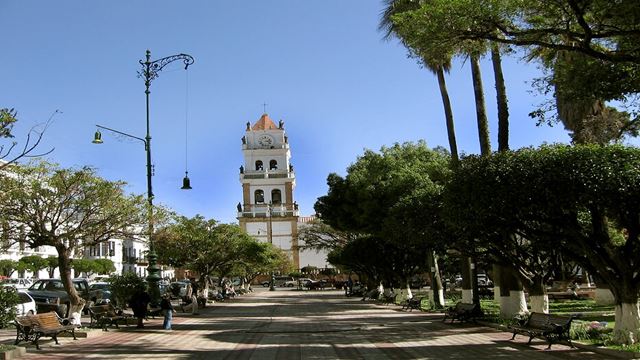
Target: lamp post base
<point>153,278</point>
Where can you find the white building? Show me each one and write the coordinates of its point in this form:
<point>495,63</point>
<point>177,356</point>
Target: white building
<point>268,210</point>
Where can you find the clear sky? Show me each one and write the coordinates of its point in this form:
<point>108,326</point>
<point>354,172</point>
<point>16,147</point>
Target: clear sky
<point>319,65</point>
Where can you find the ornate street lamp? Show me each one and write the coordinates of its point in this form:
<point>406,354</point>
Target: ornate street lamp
<point>149,72</point>
<point>270,233</point>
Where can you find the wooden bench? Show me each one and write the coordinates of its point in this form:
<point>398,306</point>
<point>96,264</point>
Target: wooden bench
<point>462,312</point>
<point>105,315</point>
<point>553,328</point>
<point>388,298</point>
<point>33,327</point>
<point>413,303</point>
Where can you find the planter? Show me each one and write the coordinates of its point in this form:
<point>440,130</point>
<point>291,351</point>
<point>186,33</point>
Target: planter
<point>14,353</point>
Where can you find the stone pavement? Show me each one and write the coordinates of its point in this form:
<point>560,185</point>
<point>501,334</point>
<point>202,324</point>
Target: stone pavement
<point>289,324</point>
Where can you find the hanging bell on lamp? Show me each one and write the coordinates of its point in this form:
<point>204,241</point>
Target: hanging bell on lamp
<point>97,138</point>
<point>186,182</point>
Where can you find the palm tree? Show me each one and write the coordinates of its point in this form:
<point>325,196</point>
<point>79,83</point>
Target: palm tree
<point>437,66</point>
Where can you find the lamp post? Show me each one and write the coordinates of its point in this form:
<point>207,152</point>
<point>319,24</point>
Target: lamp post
<point>149,72</point>
<point>270,234</point>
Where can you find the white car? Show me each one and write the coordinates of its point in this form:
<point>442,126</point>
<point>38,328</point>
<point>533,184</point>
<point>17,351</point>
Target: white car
<point>19,283</point>
<point>26,304</point>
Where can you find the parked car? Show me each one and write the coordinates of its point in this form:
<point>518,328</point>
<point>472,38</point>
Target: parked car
<point>26,304</point>
<point>280,281</point>
<point>19,283</point>
<point>50,295</point>
<point>100,292</point>
<point>316,284</point>
<point>290,283</point>
<point>177,289</point>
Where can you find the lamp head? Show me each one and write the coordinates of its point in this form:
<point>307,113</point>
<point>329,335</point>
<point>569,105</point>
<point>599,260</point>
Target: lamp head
<point>186,182</point>
<point>97,139</point>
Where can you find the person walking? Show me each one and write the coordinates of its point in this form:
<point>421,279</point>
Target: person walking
<point>167,310</point>
<point>139,303</point>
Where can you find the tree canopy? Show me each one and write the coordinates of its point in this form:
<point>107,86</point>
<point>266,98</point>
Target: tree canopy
<point>580,200</point>
<point>45,205</point>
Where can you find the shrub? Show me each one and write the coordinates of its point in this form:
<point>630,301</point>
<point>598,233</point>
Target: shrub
<point>124,286</point>
<point>8,301</point>
<point>595,331</point>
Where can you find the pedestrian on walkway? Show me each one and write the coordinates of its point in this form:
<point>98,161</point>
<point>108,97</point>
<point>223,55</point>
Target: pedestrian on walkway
<point>191,301</point>
<point>167,310</point>
<point>139,303</point>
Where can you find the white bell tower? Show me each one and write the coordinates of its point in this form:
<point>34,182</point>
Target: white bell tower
<point>268,211</point>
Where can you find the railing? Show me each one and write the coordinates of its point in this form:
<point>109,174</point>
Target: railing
<point>262,211</point>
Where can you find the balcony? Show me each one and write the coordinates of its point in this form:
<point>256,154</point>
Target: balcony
<point>262,211</point>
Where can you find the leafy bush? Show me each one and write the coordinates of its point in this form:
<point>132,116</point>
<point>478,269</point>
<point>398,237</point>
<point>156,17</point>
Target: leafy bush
<point>8,301</point>
<point>594,331</point>
<point>124,286</point>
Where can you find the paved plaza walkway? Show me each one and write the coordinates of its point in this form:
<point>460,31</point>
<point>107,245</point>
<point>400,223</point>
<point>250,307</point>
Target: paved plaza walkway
<point>289,324</point>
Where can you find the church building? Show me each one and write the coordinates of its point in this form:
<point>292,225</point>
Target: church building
<point>268,210</point>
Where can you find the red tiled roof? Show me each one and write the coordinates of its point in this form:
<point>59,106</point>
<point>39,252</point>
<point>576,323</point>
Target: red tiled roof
<point>265,123</point>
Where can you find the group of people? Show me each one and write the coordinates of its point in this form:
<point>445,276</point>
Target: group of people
<point>139,303</point>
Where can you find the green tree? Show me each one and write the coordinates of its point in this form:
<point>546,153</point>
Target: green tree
<point>590,49</point>
<point>104,266</point>
<point>203,245</point>
<point>52,264</point>
<point>33,263</point>
<point>87,266</point>
<point>8,300</point>
<point>124,286</point>
<point>67,209</point>
<point>7,267</point>
<point>366,202</point>
<point>580,200</point>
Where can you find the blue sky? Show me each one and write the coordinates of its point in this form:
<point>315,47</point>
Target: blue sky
<point>321,66</point>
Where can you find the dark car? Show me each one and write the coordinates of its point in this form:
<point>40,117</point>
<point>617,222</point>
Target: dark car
<point>50,295</point>
<point>316,284</point>
<point>100,292</point>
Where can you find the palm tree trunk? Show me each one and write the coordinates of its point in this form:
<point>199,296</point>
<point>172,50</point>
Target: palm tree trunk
<point>481,111</point>
<point>501,98</point>
<point>448,113</point>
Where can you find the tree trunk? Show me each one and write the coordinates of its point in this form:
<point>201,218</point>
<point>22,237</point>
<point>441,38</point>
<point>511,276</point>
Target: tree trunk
<point>481,112</point>
<point>501,99</point>
<point>538,296</point>
<point>448,114</point>
<point>512,300</point>
<point>64,264</point>
<point>437,300</point>
<point>465,267</point>
<point>627,328</point>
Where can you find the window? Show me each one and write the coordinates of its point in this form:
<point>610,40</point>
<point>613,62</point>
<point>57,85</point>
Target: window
<point>273,165</point>
<point>259,197</point>
<point>276,197</point>
<point>259,165</point>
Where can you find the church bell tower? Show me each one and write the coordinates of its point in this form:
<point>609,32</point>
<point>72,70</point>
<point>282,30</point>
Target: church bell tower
<point>268,211</point>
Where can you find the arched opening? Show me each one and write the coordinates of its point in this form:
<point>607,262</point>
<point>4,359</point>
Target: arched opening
<point>273,165</point>
<point>259,165</point>
<point>276,197</point>
<point>259,196</point>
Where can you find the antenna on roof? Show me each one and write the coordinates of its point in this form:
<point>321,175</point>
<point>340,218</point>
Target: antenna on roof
<point>264,108</point>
